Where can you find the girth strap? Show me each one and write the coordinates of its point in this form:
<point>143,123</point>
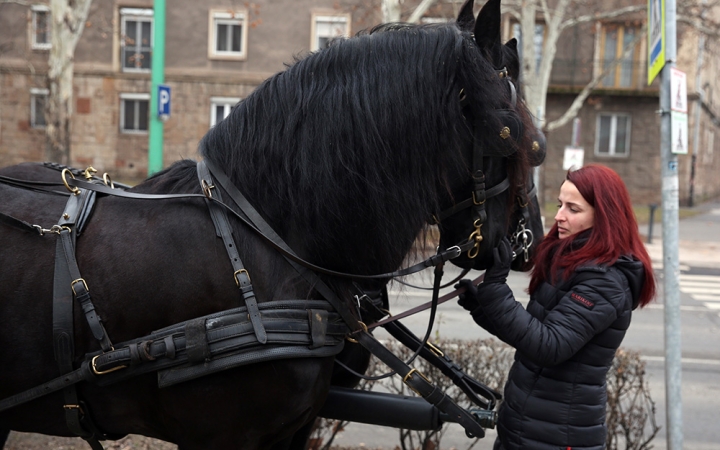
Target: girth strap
<point>224,231</point>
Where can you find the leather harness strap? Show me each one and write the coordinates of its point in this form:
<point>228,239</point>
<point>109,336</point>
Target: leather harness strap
<point>224,231</point>
<point>67,284</point>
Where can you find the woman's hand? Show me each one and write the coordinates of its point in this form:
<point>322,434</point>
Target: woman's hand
<point>502,258</point>
<point>467,299</point>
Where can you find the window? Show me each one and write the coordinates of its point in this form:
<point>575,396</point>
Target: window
<point>220,108</point>
<point>134,111</point>
<point>38,100</point>
<point>136,39</point>
<point>228,35</point>
<point>613,135</point>
<point>328,27</point>
<point>40,36</point>
<point>614,40</point>
<point>538,41</point>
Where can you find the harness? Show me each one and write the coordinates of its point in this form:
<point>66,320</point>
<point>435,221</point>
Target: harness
<point>239,336</point>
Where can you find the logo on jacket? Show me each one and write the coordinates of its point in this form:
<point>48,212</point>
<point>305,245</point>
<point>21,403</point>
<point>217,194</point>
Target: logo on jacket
<point>582,300</point>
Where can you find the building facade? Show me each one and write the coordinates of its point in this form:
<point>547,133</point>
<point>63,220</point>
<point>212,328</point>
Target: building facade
<point>218,52</point>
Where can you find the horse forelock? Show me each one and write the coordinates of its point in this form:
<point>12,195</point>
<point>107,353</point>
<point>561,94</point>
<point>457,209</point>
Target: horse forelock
<point>354,140</point>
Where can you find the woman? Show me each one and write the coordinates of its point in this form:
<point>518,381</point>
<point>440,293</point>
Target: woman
<point>591,271</point>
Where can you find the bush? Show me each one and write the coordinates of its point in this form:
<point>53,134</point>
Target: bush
<point>630,409</point>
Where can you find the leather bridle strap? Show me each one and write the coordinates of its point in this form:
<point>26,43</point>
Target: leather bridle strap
<point>468,202</point>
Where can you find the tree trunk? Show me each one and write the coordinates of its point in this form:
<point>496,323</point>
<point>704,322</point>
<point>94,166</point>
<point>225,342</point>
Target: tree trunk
<point>68,22</point>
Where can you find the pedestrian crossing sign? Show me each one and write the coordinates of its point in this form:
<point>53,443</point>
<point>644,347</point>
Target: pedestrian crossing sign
<point>656,38</point>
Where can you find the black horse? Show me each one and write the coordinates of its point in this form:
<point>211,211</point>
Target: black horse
<point>348,155</point>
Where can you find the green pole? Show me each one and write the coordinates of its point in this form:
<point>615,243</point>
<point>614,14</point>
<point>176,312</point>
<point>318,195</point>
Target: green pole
<point>155,144</point>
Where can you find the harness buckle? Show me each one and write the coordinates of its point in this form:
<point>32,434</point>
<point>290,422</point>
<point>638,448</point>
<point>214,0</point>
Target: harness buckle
<point>238,272</point>
<point>409,376</point>
<point>72,285</point>
<point>206,188</point>
<point>103,372</point>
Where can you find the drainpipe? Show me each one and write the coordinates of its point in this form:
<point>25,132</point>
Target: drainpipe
<point>697,111</point>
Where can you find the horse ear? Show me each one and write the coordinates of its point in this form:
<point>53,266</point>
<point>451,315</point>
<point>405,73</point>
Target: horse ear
<point>487,30</point>
<point>512,45</point>
<point>466,19</point>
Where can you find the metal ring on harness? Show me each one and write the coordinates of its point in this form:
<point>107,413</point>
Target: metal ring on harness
<point>74,190</point>
<point>108,182</point>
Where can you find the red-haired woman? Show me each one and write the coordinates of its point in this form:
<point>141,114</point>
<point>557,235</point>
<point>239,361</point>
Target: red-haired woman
<point>591,272</point>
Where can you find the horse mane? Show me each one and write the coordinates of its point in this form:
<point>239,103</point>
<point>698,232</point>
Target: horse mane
<point>341,148</point>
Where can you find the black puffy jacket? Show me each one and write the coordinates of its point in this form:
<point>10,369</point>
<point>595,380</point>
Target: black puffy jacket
<point>555,396</point>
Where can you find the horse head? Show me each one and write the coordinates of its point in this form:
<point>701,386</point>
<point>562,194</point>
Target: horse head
<point>501,176</point>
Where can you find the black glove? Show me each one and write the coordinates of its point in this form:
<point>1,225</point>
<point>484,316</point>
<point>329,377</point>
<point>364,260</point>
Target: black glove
<point>467,299</point>
<point>502,258</point>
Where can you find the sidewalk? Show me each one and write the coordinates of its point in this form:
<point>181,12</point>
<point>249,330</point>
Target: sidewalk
<point>698,238</point>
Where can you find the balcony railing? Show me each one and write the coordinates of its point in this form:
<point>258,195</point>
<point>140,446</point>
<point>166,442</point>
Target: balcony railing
<point>577,73</point>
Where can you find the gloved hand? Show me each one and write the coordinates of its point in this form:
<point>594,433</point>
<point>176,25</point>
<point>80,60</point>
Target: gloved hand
<point>467,299</point>
<point>502,258</point>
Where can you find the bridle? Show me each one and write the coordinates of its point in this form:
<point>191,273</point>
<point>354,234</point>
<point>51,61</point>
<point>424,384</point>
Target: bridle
<point>521,238</point>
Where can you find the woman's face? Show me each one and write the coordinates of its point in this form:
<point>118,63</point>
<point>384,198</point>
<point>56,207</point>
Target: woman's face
<point>574,213</point>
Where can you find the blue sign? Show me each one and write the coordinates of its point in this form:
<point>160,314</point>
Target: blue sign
<point>163,100</point>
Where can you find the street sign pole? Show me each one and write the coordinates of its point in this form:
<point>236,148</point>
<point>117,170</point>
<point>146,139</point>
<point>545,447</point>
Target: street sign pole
<point>157,76</point>
<point>671,267</point>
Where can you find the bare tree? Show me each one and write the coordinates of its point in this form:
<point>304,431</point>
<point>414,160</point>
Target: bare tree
<point>68,23</point>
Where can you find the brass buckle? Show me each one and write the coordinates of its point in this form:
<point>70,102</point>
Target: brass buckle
<point>103,372</point>
<point>365,329</point>
<point>237,272</point>
<point>72,285</point>
<point>435,350</point>
<point>475,202</point>
<point>75,190</point>
<point>78,407</point>
<point>409,375</point>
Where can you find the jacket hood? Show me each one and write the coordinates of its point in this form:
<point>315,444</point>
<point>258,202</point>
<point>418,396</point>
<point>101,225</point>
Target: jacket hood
<point>635,274</point>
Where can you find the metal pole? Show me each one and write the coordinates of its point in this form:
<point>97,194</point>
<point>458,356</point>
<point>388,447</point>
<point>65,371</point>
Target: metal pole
<point>155,137</point>
<point>671,268</point>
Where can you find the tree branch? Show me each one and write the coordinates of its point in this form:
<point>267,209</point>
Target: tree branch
<point>602,16</point>
<point>420,10</point>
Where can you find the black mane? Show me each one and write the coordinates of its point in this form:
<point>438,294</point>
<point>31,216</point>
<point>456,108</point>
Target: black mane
<point>352,144</point>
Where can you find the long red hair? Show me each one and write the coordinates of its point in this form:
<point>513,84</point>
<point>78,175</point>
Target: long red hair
<point>614,232</point>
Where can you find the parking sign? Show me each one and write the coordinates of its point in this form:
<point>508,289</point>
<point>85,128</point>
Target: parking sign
<point>163,100</point>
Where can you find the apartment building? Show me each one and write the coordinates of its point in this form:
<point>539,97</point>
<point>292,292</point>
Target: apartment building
<point>218,52</point>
